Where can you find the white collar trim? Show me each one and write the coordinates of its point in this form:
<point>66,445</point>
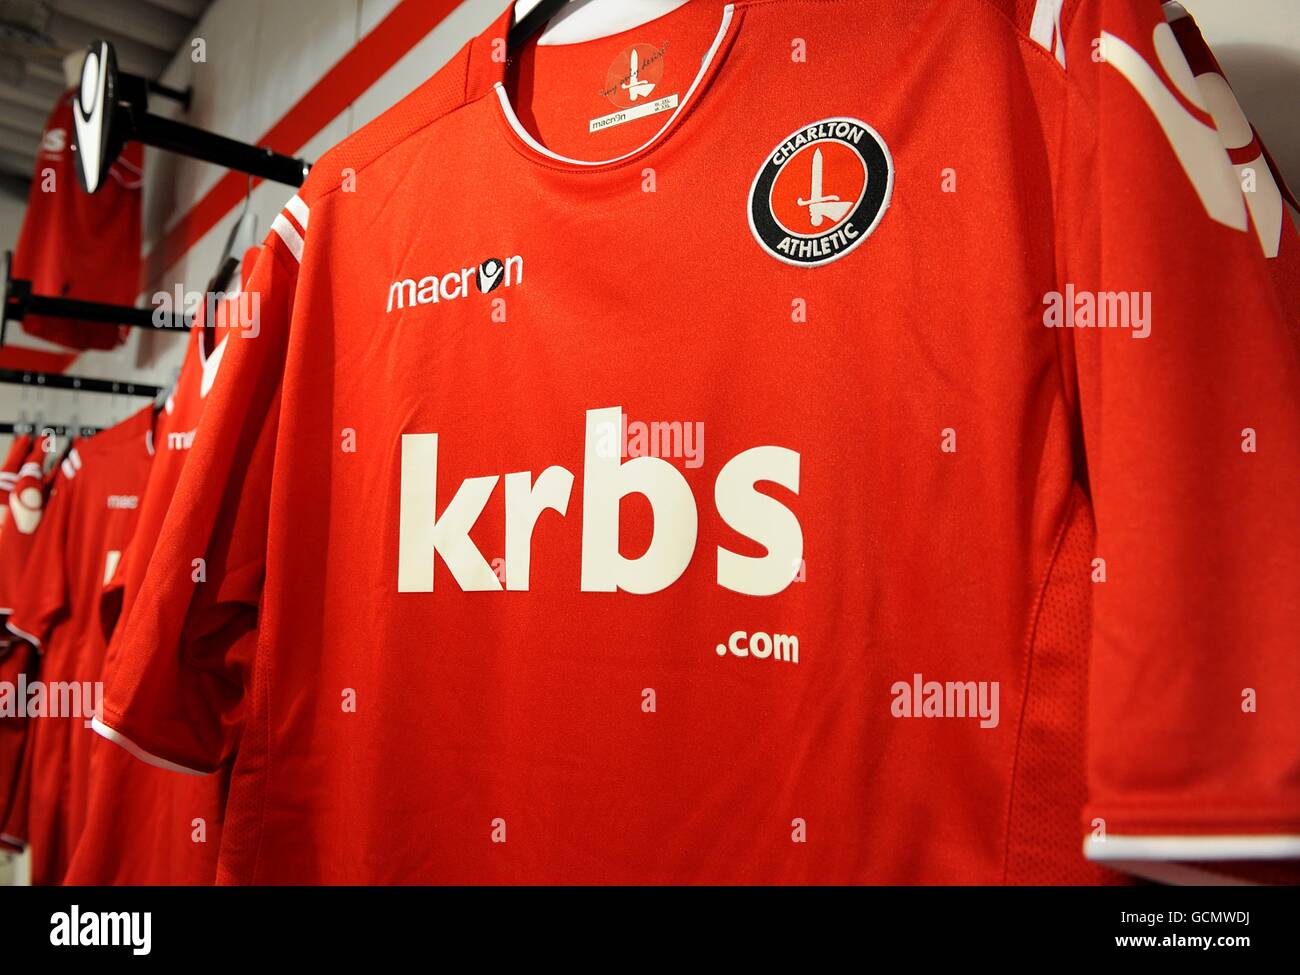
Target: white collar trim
<point>509,112</point>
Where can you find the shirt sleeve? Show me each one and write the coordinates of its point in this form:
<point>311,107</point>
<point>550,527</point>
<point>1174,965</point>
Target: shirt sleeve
<point>1177,323</point>
<point>182,659</point>
<point>14,664</point>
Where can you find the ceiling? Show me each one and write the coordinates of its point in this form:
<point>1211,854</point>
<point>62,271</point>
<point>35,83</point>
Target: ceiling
<point>35,35</point>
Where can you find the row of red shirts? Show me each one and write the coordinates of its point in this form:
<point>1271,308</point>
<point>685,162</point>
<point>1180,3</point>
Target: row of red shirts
<point>401,669</point>
<point>90,812</point>
<point>450,629</point>
<point>23,486</point>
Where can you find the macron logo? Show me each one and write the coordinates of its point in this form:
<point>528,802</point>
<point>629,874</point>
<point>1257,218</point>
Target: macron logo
<point>487,276</point>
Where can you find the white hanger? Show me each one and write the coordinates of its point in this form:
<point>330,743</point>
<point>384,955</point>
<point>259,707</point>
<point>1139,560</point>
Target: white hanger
<point>587,20</point>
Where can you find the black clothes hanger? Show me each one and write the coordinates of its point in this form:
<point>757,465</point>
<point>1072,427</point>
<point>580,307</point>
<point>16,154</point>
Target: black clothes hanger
<point>533,21</point>
<point>243,235</point>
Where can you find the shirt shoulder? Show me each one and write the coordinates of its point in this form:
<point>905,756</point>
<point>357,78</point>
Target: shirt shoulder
<point>132,436</point>
<point>460,81</point>
<point>463,79</point>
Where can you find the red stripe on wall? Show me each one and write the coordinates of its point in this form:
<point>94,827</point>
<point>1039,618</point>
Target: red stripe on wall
<point>408,23</point>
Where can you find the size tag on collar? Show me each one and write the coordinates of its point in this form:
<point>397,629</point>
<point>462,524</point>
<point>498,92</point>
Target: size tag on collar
<point>633,84</point>
<point>665,104</point>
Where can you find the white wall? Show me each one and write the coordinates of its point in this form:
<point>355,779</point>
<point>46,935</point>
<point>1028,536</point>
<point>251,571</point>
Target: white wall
<point>11,219</point>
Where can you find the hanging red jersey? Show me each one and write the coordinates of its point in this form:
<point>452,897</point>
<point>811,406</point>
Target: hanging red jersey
<point>79,245</point>
<point>147,825</point>
<point>25,505</point>
<point>13,726</point>
<point>88,522</point>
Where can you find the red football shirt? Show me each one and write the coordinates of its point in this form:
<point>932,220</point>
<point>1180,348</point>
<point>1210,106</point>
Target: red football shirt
<point>87,524</point>
<point>752,461</point>
<point>25,504</point>
<point>12,655</point>
<point>10,470</point>
<point>79,245</point>
<point>17,670</point>
<point>146,825</point>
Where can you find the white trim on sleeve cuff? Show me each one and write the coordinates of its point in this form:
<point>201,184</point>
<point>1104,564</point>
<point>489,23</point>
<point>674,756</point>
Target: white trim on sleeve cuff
<point>13,841</point>
<point>23,633</point>
<point>1165,848</point>
<point>1178,874</point>
<point>117,738</point>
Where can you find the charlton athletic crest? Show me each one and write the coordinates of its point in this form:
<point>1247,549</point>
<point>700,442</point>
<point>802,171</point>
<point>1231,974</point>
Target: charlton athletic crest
<point>821,192</point>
